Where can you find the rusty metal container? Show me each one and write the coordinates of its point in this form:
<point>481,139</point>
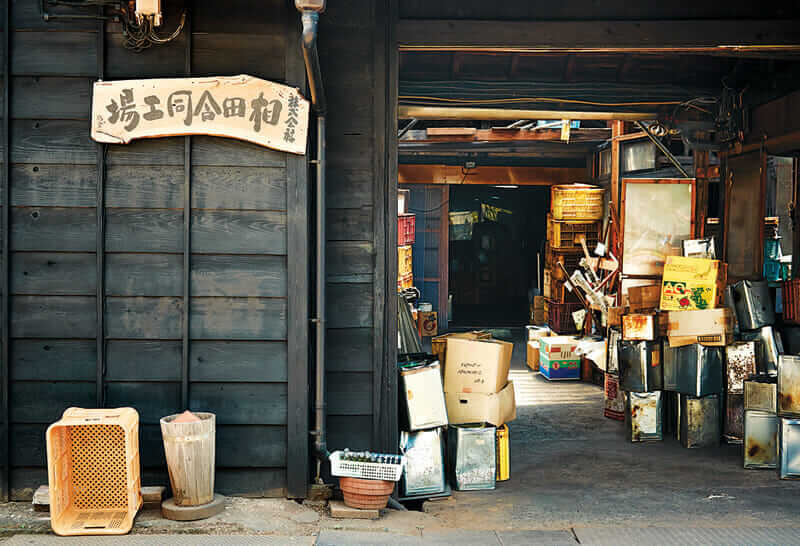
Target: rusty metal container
<point>693,369</point>
<point>767,350</point>
<point>754,306</point>
<point>733,428</point>
<point>699,420</point>
<point>640,368</point>
<point>761,394</point>
<point>644,416</point>
<point>613,398</point>
<point>729,304</point>
<point>740,363</point>
<point>614,338</point>
<point>760,439</point>
<point>789,386</point>
<point>789,449</point>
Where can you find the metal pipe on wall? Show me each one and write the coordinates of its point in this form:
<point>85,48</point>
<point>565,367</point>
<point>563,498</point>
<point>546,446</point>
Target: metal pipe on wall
<point>5,366</point>
<point>310,20</point>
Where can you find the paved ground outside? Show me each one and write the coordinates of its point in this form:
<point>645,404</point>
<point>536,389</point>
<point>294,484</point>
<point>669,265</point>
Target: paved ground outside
<point>574,479</point>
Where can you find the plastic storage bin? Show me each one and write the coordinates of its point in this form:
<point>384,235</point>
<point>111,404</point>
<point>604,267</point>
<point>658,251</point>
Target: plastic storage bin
<point>559,316</point>
<point>576,202</point>
<point>406,224</point>
<point>93,471</point>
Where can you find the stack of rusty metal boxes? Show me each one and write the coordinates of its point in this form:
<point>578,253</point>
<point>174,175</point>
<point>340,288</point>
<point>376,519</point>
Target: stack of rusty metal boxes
<point>672,357</point>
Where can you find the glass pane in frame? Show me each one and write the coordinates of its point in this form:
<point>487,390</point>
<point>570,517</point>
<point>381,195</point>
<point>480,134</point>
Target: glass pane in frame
<point>658,216</point>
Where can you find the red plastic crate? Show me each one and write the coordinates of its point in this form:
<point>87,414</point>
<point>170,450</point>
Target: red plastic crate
<point>791,301</point>
<point>559,316</point>
<point>406,224</point>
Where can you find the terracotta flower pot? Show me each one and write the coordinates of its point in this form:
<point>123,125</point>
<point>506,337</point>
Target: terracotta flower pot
<point>366,494</point>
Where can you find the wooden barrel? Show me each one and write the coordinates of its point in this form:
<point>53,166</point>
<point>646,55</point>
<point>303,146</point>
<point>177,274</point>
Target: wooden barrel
<point>189,448</point>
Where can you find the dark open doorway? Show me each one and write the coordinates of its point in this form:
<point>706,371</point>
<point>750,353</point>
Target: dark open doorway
<point>493,262</point>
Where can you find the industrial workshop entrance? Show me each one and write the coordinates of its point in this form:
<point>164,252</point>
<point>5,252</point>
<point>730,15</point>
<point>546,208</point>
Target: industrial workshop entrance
<point>494,144</point>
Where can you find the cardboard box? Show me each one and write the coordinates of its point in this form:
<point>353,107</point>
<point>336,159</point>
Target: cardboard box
<point>538,302</point>
<point>535,333</point>
<point>693,283</point>
<point>439,343</point>
<point>427,323</point>
<point>558,347</point>
<point>639,327</point>
<point>533,355</point>
<point>494,408</point>
<point>615,316</point>
<point>424,397</point>
<point>561,369</point>
<point>713,327</point>
<point>644,298</point>
<point>479,365</point>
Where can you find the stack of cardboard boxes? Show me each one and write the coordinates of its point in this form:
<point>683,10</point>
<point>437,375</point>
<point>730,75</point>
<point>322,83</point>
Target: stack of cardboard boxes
<point>474,401</point>
<point>476,385</point>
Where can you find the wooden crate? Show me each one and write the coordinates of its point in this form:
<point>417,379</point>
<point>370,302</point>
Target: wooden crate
<point>405,262</point>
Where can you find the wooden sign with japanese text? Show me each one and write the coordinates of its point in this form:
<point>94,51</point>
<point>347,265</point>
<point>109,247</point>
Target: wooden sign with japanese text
<point>242,107</point>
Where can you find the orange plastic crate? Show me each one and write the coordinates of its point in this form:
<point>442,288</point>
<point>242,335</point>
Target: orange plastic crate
<point>93,471</point>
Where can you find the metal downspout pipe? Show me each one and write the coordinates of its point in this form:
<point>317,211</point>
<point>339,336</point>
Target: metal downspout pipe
<point>310,21</point>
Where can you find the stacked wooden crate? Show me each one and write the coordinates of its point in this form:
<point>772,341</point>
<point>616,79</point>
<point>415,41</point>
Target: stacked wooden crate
<point>406,226</point>
<point>575,221</point>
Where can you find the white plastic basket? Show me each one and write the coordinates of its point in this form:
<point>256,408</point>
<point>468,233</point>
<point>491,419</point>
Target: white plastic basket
<point>368,471</point>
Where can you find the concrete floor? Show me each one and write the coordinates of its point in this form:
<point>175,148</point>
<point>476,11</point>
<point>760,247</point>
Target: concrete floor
<point>571,467</point>
<point>574,479</point>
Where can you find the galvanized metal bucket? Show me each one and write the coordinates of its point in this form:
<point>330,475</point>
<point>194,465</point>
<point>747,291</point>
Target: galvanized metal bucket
<point>640,368</point>
<point>424,472</point>
<point>644,416</point>
<point>472,457</point>
<point>733,428</point>
<point>740,363</point>
<point>754,305</point>
<point>761,394</point>
<point>693,369</point>
<point>789,386</point>
<point>699,421</point>
<point>760,439</point>
<point>789,449</point>
<point>768,350</point>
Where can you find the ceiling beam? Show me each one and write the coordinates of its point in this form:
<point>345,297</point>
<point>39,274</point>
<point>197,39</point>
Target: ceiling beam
<point>600,35</point>
<point>511,114</point>
<point>503,176</point>
<point>505,135</point>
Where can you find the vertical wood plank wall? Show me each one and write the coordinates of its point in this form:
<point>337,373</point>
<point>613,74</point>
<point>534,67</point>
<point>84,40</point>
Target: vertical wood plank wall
<point>238,279</point>
<point>347,51</point>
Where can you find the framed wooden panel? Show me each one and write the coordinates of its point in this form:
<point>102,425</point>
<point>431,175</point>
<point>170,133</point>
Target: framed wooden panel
<point>656,215</point>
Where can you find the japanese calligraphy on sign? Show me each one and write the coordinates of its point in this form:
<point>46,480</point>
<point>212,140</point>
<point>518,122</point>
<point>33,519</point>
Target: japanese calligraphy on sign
<point>243,107</point>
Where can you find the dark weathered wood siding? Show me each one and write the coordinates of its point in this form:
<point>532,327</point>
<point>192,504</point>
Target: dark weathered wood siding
<point>240,297</point>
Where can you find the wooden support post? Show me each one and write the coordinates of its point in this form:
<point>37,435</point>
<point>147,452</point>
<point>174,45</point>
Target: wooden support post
<point>617,130</point>
<point>701,187</point>
<point>795,220</point>
<point>297,319</point>
<point>100,242</point>
<point>187,232</point>
<point>5,365</point>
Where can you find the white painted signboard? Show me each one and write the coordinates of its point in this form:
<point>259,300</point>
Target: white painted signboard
<point>242,107</point>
